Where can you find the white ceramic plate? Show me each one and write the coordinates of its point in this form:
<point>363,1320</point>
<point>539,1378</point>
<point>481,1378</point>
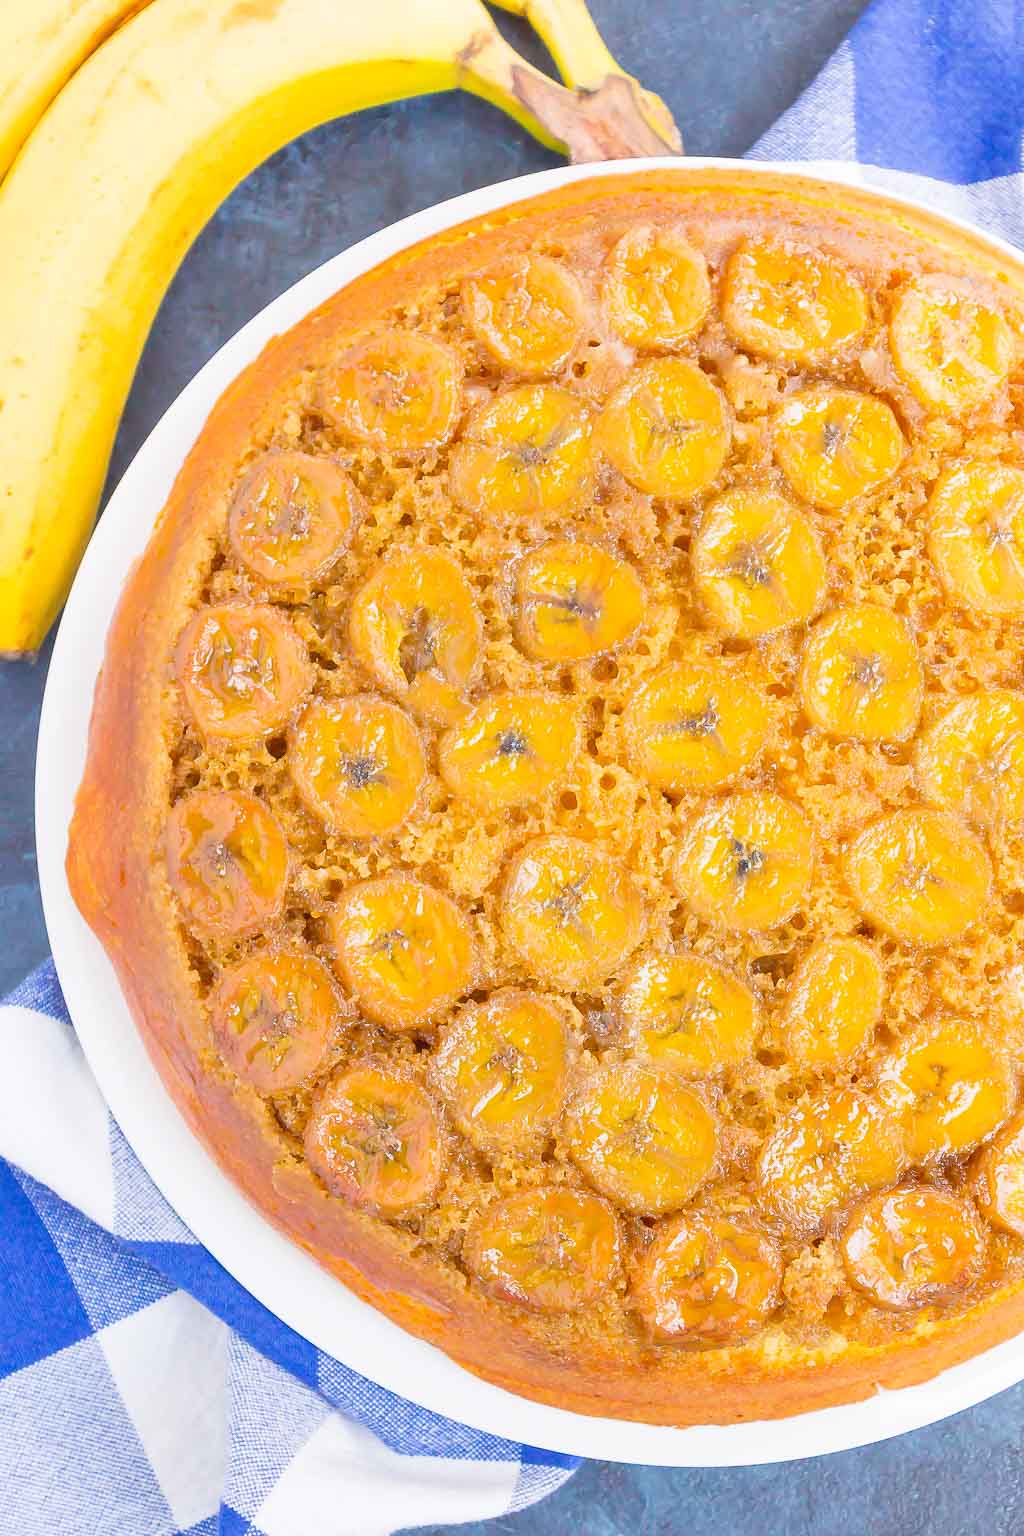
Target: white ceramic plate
<point>278,1273</point>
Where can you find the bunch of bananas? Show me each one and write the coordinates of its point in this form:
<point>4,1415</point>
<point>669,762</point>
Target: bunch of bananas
<point>123,125</point>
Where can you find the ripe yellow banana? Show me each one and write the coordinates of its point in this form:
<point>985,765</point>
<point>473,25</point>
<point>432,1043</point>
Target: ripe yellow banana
<point>42,43</point>
<point>136,153</point>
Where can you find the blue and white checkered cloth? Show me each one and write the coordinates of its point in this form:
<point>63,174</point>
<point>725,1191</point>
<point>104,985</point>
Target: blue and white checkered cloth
<point>142,1391</point>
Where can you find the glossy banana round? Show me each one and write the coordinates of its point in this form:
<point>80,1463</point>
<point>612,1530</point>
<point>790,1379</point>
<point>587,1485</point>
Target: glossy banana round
<point>689,1012</point>
<point>695,725</point>
<point>758,565</point>
<point>826,1153</point>
<point>291,517</point>
<point>655,289</point>
<point>950,1086</point>
<point>503,1068</point>
<point>551,1250</point>
<point>377,1140</point>
<point>397,392</point>
<point>528,314</point>
<point>950,348</point>
<point>510,748</point>
<point>666,429</point>
<point>834,445</point>
<point>971,760</point>
<point>913,1247</point>
<point>746,862</point>
<point>789,303</point>
<point>571,911</point>
<point>574,600</point>
<point>415,626</point>
<point>527,452</point>
<point>862,674</point>
<point>835,1001</point>
<point>642,1139</point>
<point>707,1279</point>
<point>227,863</point>
<point>272,1017</point>
<point>997,1178</point>
<point>243,670</point>
<point>976,535</point>
<point>919,875</point>
<point>404,950</point>
<point>358,764</point>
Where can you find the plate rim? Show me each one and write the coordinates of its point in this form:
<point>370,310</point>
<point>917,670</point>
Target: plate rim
<point>287,1280</point>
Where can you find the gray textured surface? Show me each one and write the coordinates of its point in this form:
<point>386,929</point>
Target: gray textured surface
<point>727,68</point>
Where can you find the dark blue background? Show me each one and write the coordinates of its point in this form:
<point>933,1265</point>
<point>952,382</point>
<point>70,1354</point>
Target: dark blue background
<point>727,69</point>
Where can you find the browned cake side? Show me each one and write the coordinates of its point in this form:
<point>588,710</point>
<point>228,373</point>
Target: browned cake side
<point>560,838</point>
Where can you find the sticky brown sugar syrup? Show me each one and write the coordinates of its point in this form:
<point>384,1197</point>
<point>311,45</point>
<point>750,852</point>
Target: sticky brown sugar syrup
<point>555,789</point>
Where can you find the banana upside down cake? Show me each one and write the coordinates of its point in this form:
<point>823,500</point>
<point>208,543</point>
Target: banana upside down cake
<point>556,793</point>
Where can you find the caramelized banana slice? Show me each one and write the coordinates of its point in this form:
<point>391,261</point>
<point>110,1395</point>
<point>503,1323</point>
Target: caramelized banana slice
<point>695,725</point>
<point>403,949</point>
<point>641,1137</point>
<point>920,875</point>
<point>510,748</point>
<point>415,626</point>
<point>707,1279</point>
<point>571,912</point>
<point>835,444</point>
<point>997,1178</point>
<point>527,451</point>
<point>796,305</point>
<point>291,517</point>
<point>272,1017</point>
<point>913,1247</point>
<point>528,314</point>
<point>824,1154</point>
<point>862,674</point>
<point>972,759</point>
<point>503,1067</point>
<point>376,1140</point>
<point>553,1250</point>
<point>396,391</point>
<point>655,290</point>
<point>757,563</point>
<point>835,1001</point>
<point>689,1012</point>
<point>950,1087</point>
<point>746,861</point>
<point>976,535</point>
<point>243,670</point>
<point>575,600</point>
<point>666,429</point>
<point>227,862</point>
<point>358,764</point>
<point>952,350</point>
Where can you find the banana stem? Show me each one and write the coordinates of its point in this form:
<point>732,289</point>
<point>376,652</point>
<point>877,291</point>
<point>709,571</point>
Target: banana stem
<point>605,122</point>
<point>584,61</point>
<point>570,35</point>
